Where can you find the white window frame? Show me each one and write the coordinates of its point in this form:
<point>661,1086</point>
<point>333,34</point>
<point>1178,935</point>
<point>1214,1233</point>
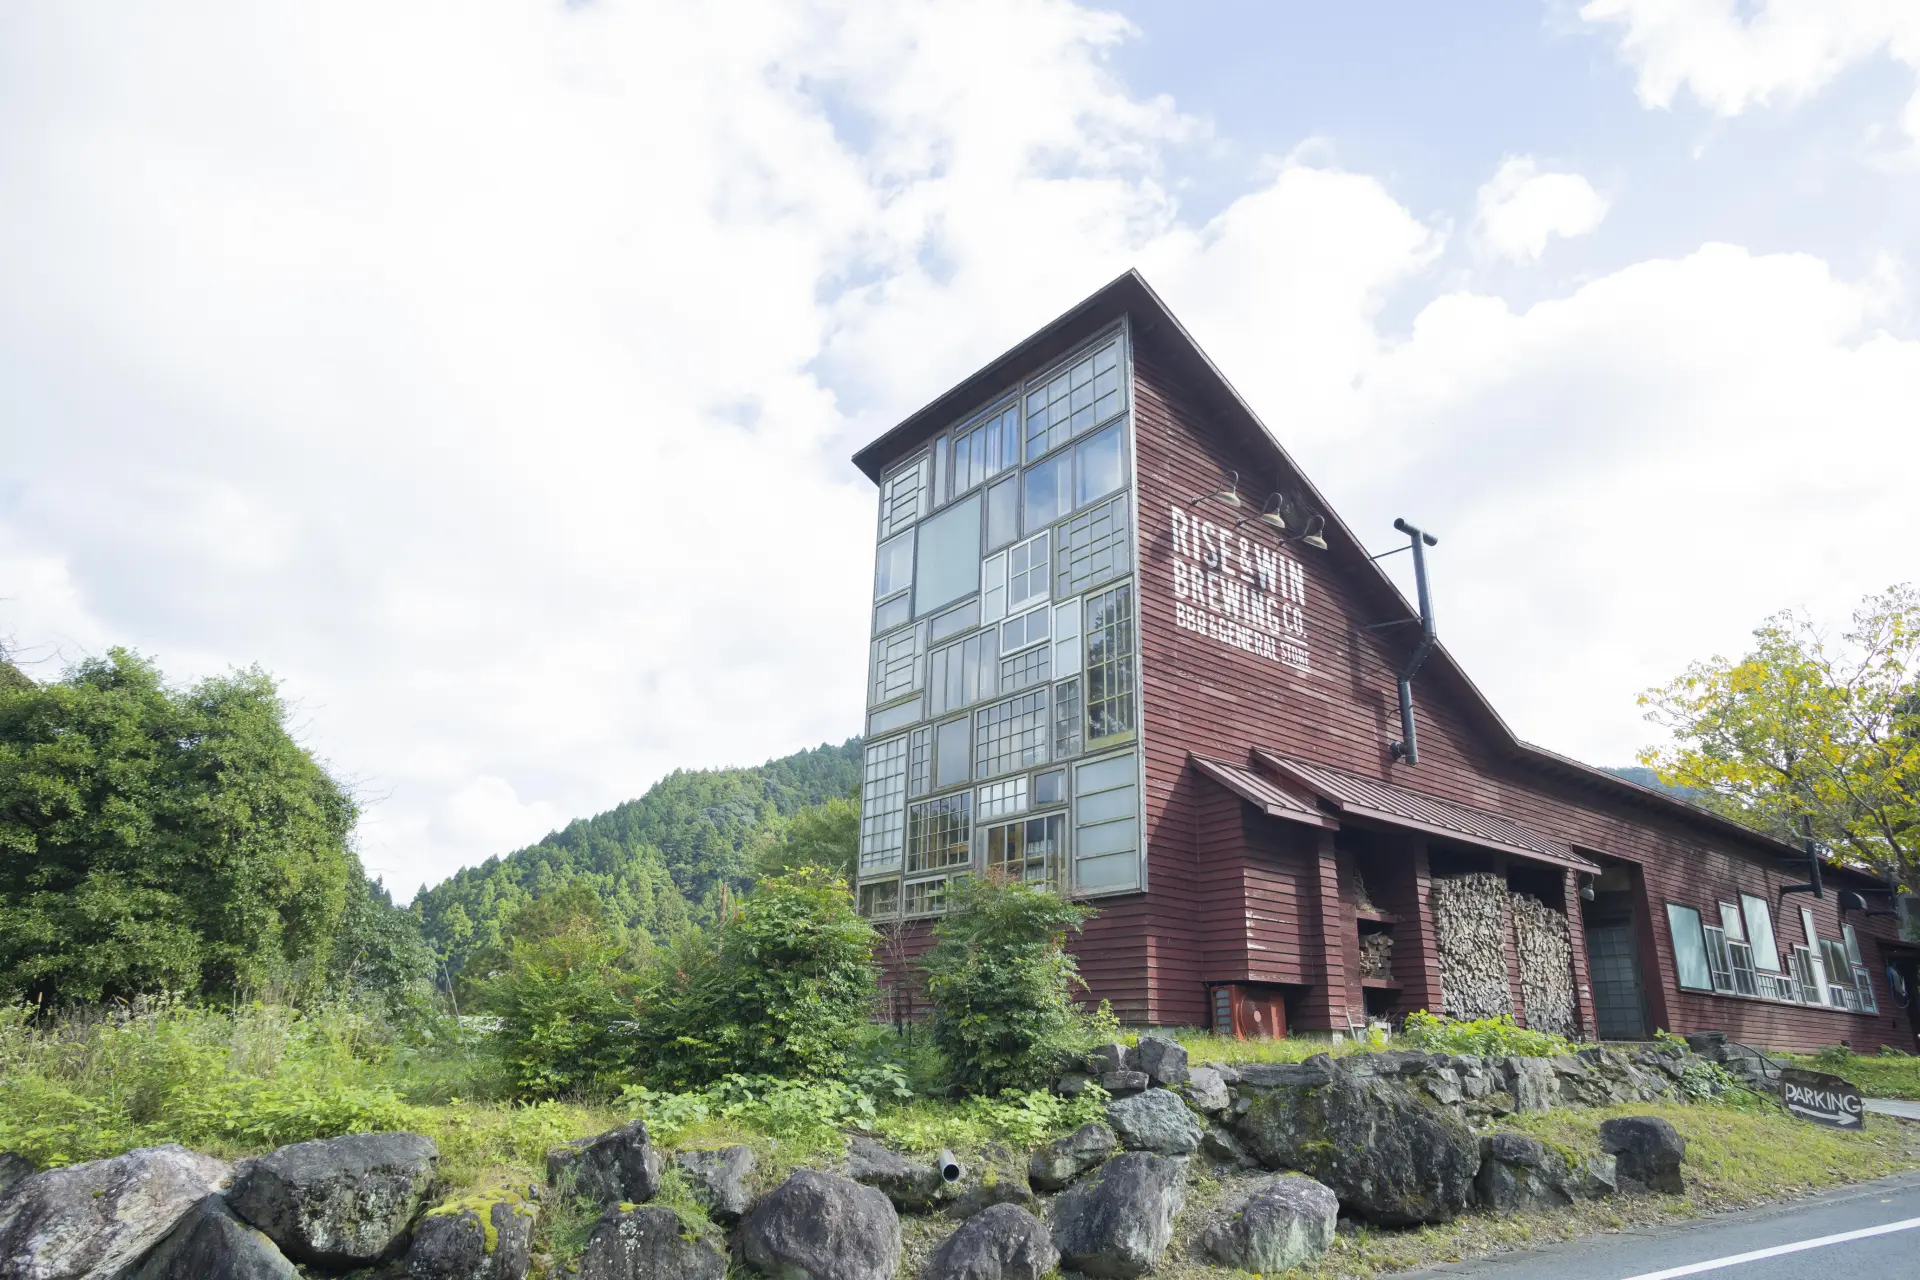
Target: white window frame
<point>1028,640</point>
<point>1002,799</point>
<point>1756,912</point>
<point>1066,639</point>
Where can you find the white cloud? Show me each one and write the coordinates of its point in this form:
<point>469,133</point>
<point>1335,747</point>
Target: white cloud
<point>492,380</point>
<point>1736,57</point>
<point>1520,209</point>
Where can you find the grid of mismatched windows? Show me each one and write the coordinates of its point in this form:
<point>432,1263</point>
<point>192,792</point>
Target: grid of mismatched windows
<point>920,761</point>
<point>1066,719</point>
<point>998,799</point>
<point>881,900</point>
<point>1079,397</point>
<point>986,450</point>
<point>1109,671</point>
<point>1093,548</point>
<point>938,832</point>
<point>882,798</point>
<point>903,498</point>
<point>1025,670</point>
<point>961,674</point>
<point>1030,851</point>
<point>897,665</point>
<point>1011,735</point>
<point>1741,956</point>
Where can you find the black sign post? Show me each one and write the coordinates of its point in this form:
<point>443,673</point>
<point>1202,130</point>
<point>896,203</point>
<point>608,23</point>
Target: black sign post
<point>1823,1099</point>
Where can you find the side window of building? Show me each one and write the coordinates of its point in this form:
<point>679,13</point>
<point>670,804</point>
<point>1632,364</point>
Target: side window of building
<point>1862,979</point>
<point>1109,667</point>
<point>903,497</point>
<point>1106,825</point>
<point>984,450</point>
<point>1093,548</point>
<point>950,754</point>
<point>898,665</point>
<point>946,562</point>
<point>1075,400</point>
<point>882,802</point>
<point>1689,948</point>
<point>1011,735</point>
<point>964,672</point>
<point>892,583</point>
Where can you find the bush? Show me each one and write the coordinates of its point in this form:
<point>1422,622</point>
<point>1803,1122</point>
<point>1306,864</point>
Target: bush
<point>1486,1037</point>
<point>782,986</point>
<point>1001,983</point>
<point>564,1003</point>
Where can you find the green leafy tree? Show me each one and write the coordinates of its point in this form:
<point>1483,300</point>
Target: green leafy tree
<point>378,953</point>
<point>1001,982</point>
<point>821,835</point>
<point>564,995</point>
<point>1806,733</point>
<point>782,985</point>
<point>154,839</point>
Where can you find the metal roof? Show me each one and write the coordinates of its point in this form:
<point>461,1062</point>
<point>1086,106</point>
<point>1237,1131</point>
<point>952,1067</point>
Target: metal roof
<point>1349,793</point>
<point>1261,792</point>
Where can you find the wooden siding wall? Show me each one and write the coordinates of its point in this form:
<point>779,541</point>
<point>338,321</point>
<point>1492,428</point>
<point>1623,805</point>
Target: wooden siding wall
<point>1153,954</point>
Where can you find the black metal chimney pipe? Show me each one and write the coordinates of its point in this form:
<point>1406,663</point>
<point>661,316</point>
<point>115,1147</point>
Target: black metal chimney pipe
<point>1408,748</point>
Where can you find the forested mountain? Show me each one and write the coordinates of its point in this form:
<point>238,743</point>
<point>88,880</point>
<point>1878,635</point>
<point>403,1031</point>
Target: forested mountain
<point>655,862</point>
<point>1648,778</point>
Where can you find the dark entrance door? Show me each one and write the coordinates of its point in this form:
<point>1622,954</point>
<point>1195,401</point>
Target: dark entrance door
<point>1617,1005</point>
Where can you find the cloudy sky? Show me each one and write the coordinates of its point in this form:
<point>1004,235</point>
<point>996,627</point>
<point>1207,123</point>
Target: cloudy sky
<point>488,371</point>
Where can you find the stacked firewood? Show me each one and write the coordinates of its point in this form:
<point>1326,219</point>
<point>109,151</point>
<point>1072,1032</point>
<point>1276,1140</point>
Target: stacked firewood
<point>1470,919</point>
<point>1376,955</point>
<point>1545,950</point>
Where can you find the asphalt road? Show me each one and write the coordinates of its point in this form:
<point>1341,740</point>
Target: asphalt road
<point>1878,1224</point>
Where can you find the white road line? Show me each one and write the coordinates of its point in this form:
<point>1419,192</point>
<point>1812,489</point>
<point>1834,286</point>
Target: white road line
<point>1714,1264</point>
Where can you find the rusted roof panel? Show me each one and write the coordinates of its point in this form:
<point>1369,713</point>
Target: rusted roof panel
<point>1384,802</point>
<point>1261,793</point>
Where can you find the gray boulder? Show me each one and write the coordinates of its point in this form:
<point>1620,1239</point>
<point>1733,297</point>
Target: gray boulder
<point>1220,1146</point>
<point>617,1167</point>
<point>1163,1060</point>
<point>211,1244</point>
<point>1123,1083</point>
<point>481,1240</point>
<point>719,1180</point>
<point>998,1177</point>
<point>650,1243</point>
<point>1208,1091</point>
<point>1285,1221</point>
<point>1391,1153</point>
<point>100,1218</point>
<point>1002,1242</point>
<point>912,1186</point>
<point>338,1202</point>
<point>13,1170</point>
<point>1107,1057</point>
<point>1519,1172</point>
<point>1064,1159</point>
<point>1647,1150</point>
<point>1119,1221</point>
<point>1533,1082</point>
<point>1072,1084</point>
<point>1286,1075</point>
<point>1156,1121</point>
<point>817,1226</point>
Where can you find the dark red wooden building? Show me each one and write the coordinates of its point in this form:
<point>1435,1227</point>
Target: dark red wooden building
<point>1122,646</point>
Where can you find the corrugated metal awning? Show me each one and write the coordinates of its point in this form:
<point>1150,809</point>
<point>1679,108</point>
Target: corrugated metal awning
<point>1351,794</point>
<point>1262,793</point>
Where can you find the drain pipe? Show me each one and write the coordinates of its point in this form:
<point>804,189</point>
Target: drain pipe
<point>1408,748</point>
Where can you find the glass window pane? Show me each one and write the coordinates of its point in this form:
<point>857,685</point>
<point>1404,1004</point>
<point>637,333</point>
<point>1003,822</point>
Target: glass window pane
<point>1066,638</point>
<point>1116,871</point>
<point>882,799</point>
<point>1766,952</point>
<point>1050,787</point>
<point>1003,512</point>
<point>1098,466</point>
<point>891,614</point>
<point>1093,548</point>
<point>947,561</point>
<point>1689,948</point>
<point>1100,775</point>
<point>951,754</point>
<point>1011,735</point>
<point>893,568</point>
<point>1067,739</point>
<point>920,761</point>
<point>893,717</point>
<point>1109,669</point>
<point>903,497</point>
<point>880,901</point>
<point>1730,922</point>
<point>1048,487</point>
<point>954,621</point>
<point>939,833</point>
<point>1107,837</point>
<point>993,588</point>
<point>1853,944</point>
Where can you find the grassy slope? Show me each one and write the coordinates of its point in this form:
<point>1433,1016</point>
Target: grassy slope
<point>1876,1077</point>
